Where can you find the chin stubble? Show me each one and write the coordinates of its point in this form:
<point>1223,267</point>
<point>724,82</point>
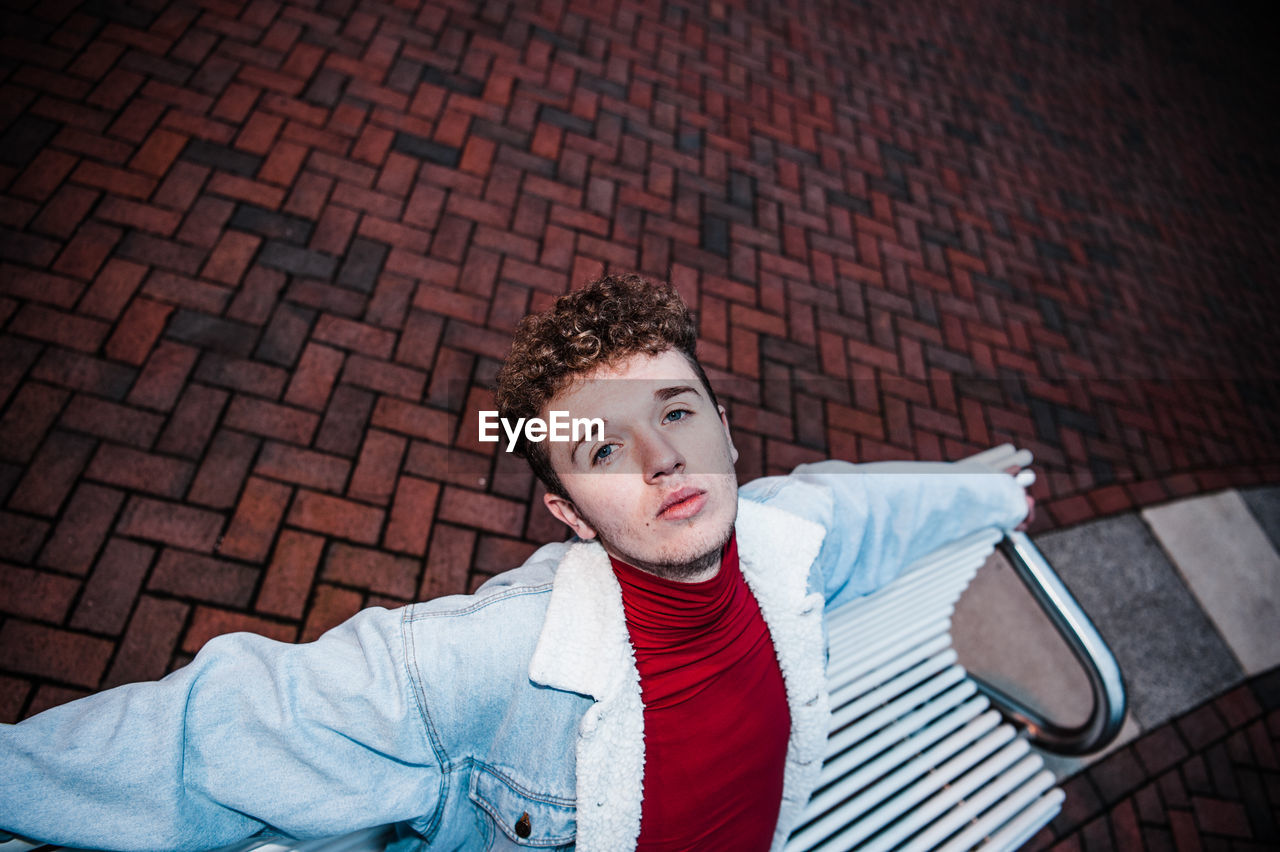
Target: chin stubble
<point>701,565</point>
<point>679,571</point>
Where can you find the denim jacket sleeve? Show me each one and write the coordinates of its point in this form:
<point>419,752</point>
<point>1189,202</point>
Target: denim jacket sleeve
<point>309,740</point>
<point>880,517</point>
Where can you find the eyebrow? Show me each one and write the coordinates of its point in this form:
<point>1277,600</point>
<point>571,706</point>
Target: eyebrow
<point>664,394</point>
<point>661,395</point>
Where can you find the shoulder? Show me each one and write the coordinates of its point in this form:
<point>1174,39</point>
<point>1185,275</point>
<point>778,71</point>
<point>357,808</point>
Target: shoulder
<point>469,661</point>
<point>474,644</point>
<point>492,629</point>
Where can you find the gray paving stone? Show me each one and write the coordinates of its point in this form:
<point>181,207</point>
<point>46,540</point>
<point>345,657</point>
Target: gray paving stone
<point>1170,654</point>
<point>1264,503</point>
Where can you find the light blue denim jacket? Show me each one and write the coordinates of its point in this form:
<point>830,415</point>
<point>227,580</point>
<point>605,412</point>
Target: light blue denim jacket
<point>510,718</point>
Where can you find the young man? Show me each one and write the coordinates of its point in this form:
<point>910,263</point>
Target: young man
<point>657,682</point>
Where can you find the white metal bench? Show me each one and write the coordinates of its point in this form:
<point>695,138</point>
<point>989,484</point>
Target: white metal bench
<point>920,754</point>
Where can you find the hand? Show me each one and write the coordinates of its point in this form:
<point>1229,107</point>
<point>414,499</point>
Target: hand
<point>1031,501</point>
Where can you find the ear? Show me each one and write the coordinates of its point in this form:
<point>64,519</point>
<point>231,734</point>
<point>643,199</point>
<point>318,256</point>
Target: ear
<point>724,421</point>
<point>567,513</point>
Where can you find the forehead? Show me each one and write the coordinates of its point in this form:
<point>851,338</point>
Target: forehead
<point>633,379</point>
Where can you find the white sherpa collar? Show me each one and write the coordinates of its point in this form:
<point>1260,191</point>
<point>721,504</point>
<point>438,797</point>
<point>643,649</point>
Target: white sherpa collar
<point>584,635</point>
<point>584,647</point>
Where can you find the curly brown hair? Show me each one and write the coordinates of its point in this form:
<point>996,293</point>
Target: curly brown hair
<point>611,318</point>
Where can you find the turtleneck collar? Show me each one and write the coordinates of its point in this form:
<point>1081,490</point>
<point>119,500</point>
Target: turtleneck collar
<point>662,612</point>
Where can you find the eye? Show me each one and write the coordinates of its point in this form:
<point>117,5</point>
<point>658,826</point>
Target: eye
<point>677,414</point>
<point>603,454</point>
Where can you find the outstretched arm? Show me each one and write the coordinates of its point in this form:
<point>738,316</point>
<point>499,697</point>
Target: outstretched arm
<point>309,740</point>
<point>882,516</point>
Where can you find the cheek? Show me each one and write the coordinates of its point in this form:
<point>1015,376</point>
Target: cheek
<point>719,450</point>
<point>615,502</point>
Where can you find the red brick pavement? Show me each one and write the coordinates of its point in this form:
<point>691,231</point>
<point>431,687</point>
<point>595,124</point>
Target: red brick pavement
<point>260,261</point>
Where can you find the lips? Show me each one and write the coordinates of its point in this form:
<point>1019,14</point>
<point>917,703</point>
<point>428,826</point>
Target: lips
<point>682,504</point>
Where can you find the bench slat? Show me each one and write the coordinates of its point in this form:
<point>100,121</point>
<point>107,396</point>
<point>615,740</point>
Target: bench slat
<point>952,788</point>
<point>1016,802</point>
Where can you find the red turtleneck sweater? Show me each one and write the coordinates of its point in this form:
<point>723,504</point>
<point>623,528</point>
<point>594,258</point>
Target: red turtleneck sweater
<point>716,721</point>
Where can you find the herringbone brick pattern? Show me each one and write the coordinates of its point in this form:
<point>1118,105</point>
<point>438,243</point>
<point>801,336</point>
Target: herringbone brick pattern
<point>261,259</point>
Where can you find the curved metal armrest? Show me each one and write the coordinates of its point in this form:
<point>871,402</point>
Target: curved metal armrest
<point>1085,642</point>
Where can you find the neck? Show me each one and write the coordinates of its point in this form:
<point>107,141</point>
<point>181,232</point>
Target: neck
<point>698,570</point>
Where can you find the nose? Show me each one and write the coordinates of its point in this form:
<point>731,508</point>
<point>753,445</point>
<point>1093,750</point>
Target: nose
<point>659,455</point>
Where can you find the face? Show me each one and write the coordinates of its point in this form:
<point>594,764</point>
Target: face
<point>659,490</point>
